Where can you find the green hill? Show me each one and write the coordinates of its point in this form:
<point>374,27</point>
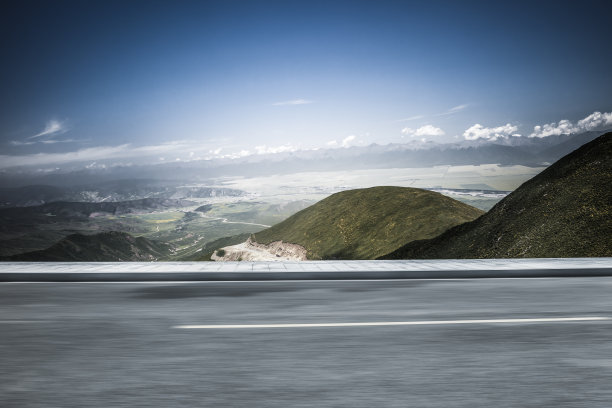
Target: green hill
<point>565,211</point>
<point>110,246</point>
<point>367,223</point>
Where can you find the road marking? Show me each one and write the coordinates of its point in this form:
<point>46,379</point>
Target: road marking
<point>409,323</point>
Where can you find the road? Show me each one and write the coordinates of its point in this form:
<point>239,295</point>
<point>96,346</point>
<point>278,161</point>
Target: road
<point>143,345</point>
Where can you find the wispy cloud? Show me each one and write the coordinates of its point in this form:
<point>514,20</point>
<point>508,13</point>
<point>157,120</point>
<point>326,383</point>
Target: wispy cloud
<point>450,111</point>
<point>457,108</point>
<point>427,130</point>
<point>92,154</point>
<point>594,121</point>
<point>478,131</point>
<point>19,143</point>
<point>293,102</point>
<point>179,150</point>
<point>54,141</point>
<point>48,141</point>
<point>52,127</point>
<point>46,136</point>
<point>416,117</point>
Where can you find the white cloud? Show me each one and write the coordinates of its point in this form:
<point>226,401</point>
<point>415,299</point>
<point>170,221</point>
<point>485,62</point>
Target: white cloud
<point>550,129</point>
<point>427,130</point>
<point>216,154</point>
<point>347,140</point>
<point>332,143</point>
<point>274,149</point>
<point>595,120</point>
<point>293,102</point>
<point>480,132</point>
<point>52,127</point>
<point>94,165</point>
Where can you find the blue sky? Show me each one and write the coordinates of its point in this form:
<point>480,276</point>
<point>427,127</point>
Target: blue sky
<point>91,80</point>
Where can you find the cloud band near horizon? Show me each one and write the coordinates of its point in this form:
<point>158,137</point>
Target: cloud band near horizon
<point>594,121</point>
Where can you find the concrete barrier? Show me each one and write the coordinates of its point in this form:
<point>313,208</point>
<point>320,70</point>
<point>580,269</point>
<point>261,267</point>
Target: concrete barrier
<point>316,270</point>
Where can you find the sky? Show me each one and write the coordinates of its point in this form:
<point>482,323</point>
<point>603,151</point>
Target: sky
<point>89,80</point>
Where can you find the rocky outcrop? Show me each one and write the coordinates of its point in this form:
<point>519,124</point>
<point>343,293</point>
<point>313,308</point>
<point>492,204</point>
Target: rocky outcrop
<point>253,251</point>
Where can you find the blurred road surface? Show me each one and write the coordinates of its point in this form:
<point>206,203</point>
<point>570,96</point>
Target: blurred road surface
<point>127,345</point>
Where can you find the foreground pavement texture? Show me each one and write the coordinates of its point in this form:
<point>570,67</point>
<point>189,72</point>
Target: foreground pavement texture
<point>381,343</point>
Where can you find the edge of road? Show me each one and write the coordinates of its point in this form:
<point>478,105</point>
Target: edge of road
<point>309,270</point>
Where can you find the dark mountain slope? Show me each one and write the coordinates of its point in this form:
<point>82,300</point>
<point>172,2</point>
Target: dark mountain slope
<point>51,212</point>
<point>367,223</point>
<point>104,247</point>
<point>107,192</point>
<point>30,195</point>
<point>565,211</point>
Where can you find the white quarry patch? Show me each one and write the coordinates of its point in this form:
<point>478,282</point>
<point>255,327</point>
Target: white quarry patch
<point>253,251</point>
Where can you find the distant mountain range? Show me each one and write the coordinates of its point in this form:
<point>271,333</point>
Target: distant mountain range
<point>565,211</point>
<point>112,191</point>
<point>511,150</point>
<point>366,223</point>
<point>51,212</point>
<point>110,246</point>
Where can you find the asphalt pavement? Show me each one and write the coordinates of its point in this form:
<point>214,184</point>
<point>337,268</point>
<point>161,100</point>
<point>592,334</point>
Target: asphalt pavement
<point>544,342</point>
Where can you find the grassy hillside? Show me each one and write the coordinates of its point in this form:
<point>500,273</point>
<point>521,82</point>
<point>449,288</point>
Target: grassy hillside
<point>565,211</point>
<point>367,223</point>
<point>104,247</point>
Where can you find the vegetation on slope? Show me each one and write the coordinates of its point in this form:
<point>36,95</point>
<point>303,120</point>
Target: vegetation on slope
<point>104,247</point>
<point>565,211</point>
<point>367,223</point>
